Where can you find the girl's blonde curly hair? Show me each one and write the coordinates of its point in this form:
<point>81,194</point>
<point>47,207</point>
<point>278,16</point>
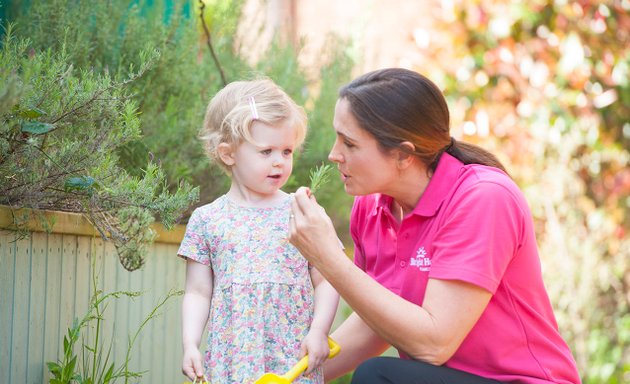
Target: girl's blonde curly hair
<point>229,115</point>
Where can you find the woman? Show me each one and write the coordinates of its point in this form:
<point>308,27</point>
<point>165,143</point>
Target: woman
<point>446,267</point>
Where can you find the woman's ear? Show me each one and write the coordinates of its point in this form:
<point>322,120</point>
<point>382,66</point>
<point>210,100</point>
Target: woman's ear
<point>226,153</point>
<point>404,154</point>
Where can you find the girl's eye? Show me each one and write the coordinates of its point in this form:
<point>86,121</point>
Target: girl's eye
<point>266,151</point>
<point>287,152</point>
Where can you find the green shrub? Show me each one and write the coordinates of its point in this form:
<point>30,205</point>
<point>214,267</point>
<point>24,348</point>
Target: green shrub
<point>60,128</point>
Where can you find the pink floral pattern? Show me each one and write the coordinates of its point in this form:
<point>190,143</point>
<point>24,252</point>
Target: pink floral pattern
<point>262,301</point>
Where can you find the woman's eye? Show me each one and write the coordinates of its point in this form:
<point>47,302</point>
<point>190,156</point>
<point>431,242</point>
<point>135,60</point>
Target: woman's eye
<point>348,144</point>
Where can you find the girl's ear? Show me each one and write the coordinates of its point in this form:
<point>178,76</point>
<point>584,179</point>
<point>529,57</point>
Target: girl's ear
<point>404,154</point>
<point>226,153</point>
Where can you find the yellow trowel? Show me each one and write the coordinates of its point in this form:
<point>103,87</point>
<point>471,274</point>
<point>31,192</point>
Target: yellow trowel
<point>287,378</point>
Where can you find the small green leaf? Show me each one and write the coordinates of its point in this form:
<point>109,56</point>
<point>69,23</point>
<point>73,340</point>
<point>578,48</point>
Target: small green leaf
<point>36,127</point>
<point>54,368</point>
<point>68,370</point>
<point>31,113</point>
<point>81,183</point>
<point>109,374</point>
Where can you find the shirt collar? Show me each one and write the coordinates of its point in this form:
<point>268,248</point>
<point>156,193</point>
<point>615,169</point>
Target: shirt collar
<point>437,190</point>
<point>441,183</point>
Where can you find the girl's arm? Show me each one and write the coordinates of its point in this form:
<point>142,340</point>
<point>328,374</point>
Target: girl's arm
<point>431,332</point>
<point>195,310</point>
<point>316,341</point>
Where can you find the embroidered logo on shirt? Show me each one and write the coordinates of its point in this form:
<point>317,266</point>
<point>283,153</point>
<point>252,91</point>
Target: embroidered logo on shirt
<point>421,260</point>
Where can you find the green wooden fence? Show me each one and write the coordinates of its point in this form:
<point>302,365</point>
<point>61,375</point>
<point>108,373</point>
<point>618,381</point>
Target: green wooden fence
<point>46,281</point>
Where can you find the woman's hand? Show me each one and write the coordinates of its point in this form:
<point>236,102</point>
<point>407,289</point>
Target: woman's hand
<point>315,344</point>
<point>310,229</point>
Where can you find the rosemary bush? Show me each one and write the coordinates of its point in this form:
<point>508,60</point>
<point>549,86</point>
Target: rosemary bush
<point>60,128</point>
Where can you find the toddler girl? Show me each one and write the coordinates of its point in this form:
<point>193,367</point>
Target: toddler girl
<point>266,307</point>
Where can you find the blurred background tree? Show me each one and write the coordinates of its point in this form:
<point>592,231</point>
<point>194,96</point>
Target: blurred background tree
<point>544,85</point>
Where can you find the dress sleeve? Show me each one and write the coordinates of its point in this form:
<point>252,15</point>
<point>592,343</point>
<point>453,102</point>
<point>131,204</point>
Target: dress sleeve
<point>195,245</point>
<point>481,233</point>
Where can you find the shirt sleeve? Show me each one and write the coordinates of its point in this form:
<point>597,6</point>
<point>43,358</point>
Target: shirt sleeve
<point>480,235</point>
<point>195,245</point>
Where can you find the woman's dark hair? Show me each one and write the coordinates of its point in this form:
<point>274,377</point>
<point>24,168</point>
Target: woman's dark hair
<point>396,105</point>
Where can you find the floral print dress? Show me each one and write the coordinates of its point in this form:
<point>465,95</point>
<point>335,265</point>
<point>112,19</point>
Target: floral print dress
<point>262,300</point>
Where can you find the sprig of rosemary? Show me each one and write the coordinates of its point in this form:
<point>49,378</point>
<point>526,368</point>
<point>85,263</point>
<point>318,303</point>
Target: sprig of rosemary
<point>320,176</point>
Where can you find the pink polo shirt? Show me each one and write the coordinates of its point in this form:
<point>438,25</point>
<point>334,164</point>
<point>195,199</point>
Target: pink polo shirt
<point>471,224</point>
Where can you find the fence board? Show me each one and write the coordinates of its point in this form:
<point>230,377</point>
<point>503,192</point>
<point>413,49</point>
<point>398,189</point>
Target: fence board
<point>53,330</point>
<point>7,274</point>
<point>107,280</point>
<point>121,326</point>
<point>82,282</point>
<point>68,275</point>
<point>37,307</point>
<point>134,311</point>
<point>172,323</point>
<point>21,296</point>
<point>144,352</point>
<point>158,327</point>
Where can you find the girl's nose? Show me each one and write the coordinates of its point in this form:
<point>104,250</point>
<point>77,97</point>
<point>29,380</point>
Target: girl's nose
<point>277,161</point>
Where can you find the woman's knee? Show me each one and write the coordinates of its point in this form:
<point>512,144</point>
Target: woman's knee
<point>371,371</point>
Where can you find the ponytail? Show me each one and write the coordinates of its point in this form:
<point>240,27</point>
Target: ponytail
<point>472,154</point>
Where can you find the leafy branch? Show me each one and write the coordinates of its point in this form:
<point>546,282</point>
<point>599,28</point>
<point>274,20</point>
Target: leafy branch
<point>320,176</point>
<point>206,31</point>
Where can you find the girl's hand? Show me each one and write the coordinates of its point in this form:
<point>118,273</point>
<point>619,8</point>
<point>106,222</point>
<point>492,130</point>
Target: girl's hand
<point>310,229</point>
<point>192,363</point>
<point>315,344</point>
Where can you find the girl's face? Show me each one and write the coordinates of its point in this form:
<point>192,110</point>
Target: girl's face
<point>261,168</point>
<point>364,168</point>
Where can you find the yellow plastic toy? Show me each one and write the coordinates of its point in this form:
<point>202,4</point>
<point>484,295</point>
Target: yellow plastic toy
<point>298,368</point>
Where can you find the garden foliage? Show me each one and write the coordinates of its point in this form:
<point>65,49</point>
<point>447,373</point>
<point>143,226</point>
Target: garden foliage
<point>102,103</point>
<point>545,85</point>
<point>60,127</point>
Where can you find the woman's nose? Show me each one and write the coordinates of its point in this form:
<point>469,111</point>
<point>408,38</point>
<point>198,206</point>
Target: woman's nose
<point>334,155</point>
